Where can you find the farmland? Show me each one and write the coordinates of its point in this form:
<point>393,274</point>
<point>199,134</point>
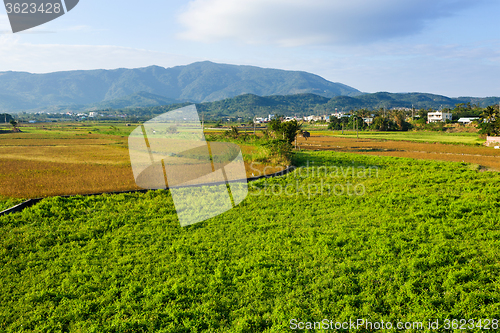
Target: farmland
<point>417,240</point>
<point>78,158</point>
<point>347,235</point>
<point>482,157</point>
<point>65,159</point>
<point>413,136</point>
<point>6,202</point>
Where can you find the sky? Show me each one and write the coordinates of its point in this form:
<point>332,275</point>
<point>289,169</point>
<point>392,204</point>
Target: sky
<point>446,47</point>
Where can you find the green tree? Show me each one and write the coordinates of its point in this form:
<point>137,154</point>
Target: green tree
<point>489,122</point>
<point>290,129</point>
<point>335,124</point>
<point>285,130</point>
<point>399,119</point>
<point>232,132</point>
<point>381,123</point>
<point>356,121</point>
<point>5,118</point>
<point>172,129</point>
<point>275,124</point>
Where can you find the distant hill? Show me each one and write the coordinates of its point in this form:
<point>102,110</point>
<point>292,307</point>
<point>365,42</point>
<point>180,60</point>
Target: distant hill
<point>394,100</point>
<point>407,100</point>
<point>306,104</point>
<point>197,82</point>
<point>250,105</point>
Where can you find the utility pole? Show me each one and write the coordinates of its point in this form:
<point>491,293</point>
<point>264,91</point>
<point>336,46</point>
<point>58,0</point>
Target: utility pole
<point>357,126</point>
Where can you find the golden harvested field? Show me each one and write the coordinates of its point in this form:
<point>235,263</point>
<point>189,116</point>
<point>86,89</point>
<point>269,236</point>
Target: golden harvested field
<point>55,159</point>
<point>61,160</point>
<point>486,157</point>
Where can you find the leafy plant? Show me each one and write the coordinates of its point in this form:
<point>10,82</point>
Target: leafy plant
<point>489,122</point>
<point>232,132</point>
<point>285,130</point>
<point>421,242</point>
<point>172,129</point>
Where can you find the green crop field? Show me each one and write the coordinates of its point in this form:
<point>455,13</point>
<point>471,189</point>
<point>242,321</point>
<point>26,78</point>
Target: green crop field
<point>417,136</point>
<point>344,237</point>
<point>6,203</point>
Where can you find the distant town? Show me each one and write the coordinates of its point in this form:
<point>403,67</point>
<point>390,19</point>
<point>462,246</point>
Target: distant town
<point>410,114</point>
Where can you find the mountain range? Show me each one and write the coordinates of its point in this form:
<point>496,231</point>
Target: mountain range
<point>197,82</point>
<point>219,89</point>
<point>249,105</point>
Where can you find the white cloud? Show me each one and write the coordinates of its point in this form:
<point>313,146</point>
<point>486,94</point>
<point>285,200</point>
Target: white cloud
<point>44,58</point>
<point>301,22</point>
<point>4,24</point>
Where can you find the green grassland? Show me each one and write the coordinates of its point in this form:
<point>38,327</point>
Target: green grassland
<point>412,240</point>
<point>416,136</point>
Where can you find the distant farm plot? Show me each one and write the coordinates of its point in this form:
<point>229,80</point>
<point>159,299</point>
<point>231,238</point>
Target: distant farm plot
<point>485,157</point>
<point>418,136</point>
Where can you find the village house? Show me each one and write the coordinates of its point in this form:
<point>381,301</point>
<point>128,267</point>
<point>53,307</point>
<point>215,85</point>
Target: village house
<point>439,116</point>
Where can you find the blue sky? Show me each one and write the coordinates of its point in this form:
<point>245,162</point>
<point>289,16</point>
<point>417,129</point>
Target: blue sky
<point>448,47</point>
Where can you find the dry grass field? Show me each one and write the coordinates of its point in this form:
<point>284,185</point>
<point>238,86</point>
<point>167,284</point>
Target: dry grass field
<point>47,160</point>
<point>65,159</point>
<point>486,158</point>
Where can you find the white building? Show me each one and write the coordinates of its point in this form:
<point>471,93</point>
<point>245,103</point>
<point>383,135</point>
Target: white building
<point>434,117</point>
<point>314,118</point>
<point>467,120</point>
<point>339,114</point>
